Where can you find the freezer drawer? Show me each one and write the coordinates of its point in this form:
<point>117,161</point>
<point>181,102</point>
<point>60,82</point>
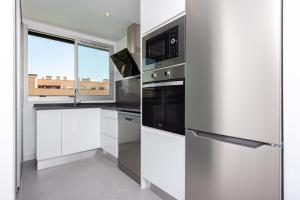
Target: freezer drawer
<point>222,170</point>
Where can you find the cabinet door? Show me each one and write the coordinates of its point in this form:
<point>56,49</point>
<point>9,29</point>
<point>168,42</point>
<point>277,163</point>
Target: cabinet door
<point>48,134</point>
<point>80,130</point>
<point>164,11</point>
<point>109,145</point>
<point>109,127</point>
<point>163,160</point>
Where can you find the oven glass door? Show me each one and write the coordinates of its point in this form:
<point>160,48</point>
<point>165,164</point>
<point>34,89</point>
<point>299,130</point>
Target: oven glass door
<point>174,109</point>
<point>153,107</point>
<point>163,108</point>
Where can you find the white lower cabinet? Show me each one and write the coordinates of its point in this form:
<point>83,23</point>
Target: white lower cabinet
<point>109,132</point>
<point>80,130</point>
<point>48,127</point>
<point>109,127</point>
<point>64,132</point>
<point>109,145</point>
<point>163,161</point>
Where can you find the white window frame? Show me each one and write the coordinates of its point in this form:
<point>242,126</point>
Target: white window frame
<point>78,41</point>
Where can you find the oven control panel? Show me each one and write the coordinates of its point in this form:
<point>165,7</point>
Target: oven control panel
<point>164,74</point>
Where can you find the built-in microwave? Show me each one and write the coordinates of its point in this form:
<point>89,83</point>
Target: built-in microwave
<point>165,46</point>
<point>163,99</point>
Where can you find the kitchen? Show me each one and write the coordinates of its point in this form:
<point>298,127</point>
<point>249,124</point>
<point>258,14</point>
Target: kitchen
<point>194,102</point>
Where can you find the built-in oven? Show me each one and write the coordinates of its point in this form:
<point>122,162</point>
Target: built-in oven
<point>165,46</point>
<point>163,99</point>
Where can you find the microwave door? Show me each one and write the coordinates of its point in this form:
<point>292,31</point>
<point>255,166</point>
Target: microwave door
<point>157,50</point>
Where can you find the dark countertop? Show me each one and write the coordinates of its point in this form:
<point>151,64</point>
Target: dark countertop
<point>108,106</point>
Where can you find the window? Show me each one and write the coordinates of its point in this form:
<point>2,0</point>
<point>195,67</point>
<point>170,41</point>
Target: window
<point>52,68</point>
<point>93,71</point>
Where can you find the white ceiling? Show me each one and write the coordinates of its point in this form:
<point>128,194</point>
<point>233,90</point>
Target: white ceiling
<point>85,16</point>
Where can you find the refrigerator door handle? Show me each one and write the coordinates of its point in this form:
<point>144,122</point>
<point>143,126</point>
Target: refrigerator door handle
<point>228,139</point>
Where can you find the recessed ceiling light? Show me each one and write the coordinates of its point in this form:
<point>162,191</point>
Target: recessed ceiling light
<point>107,14</point>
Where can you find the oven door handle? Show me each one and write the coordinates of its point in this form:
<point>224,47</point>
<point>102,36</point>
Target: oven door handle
<point>161,84</point>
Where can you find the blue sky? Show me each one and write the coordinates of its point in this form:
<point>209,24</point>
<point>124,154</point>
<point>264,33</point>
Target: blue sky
<point>53,58</point>
<point>93,63</point>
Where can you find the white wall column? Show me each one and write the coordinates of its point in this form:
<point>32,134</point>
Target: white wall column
<point>291,98</point>
<point>7,102</point>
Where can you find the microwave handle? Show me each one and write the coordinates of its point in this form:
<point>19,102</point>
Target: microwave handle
<point>161,84</point>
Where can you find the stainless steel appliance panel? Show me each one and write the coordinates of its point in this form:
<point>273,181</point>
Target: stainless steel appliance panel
<point>217,169</point>
<point>168,73</point>
<point>233,68</point>
<point>129,144</point>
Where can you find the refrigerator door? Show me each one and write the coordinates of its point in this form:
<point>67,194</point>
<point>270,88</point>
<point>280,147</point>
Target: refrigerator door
<point>233,68</point>
<point>228,169</point>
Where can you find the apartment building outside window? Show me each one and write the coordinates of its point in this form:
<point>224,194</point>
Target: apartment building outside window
<point>56,66</point>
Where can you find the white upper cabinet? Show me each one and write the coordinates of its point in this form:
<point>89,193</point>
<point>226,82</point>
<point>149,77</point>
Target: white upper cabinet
<point>157,12</point>
<point>48,129</point>
<point>80,130</point>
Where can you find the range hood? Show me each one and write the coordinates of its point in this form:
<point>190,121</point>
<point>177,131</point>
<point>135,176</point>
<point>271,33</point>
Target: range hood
<point>127,60</point>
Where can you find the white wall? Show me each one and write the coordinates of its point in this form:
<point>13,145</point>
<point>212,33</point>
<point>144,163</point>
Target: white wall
<point>29,137</point>
<point>121,44</point>
<point>7,97</point>
<point>291,98</point>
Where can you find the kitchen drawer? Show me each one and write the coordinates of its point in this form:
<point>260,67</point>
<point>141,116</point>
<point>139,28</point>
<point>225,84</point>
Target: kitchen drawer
<point>112,114</point>
<point>109,145</point>
<point>109,127</point>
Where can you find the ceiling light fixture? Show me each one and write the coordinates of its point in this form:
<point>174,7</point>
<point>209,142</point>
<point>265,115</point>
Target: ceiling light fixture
<point>107,14</point>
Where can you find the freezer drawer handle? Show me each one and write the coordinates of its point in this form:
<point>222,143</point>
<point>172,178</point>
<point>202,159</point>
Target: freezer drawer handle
<point>228,139</point>
<point>128,119</point>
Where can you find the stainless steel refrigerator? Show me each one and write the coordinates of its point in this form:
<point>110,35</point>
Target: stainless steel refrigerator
<point>233,100</point>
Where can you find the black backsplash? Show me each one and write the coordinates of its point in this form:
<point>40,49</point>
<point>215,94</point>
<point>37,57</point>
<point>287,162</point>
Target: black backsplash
<point>128,92</point>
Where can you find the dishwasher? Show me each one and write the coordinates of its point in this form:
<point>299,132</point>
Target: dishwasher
<point>129,144</point>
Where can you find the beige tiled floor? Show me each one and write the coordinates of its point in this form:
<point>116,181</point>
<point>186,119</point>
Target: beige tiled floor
<point>90,179</point>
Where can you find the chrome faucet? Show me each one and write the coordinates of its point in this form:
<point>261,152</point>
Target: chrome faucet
<point>76,93</point>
